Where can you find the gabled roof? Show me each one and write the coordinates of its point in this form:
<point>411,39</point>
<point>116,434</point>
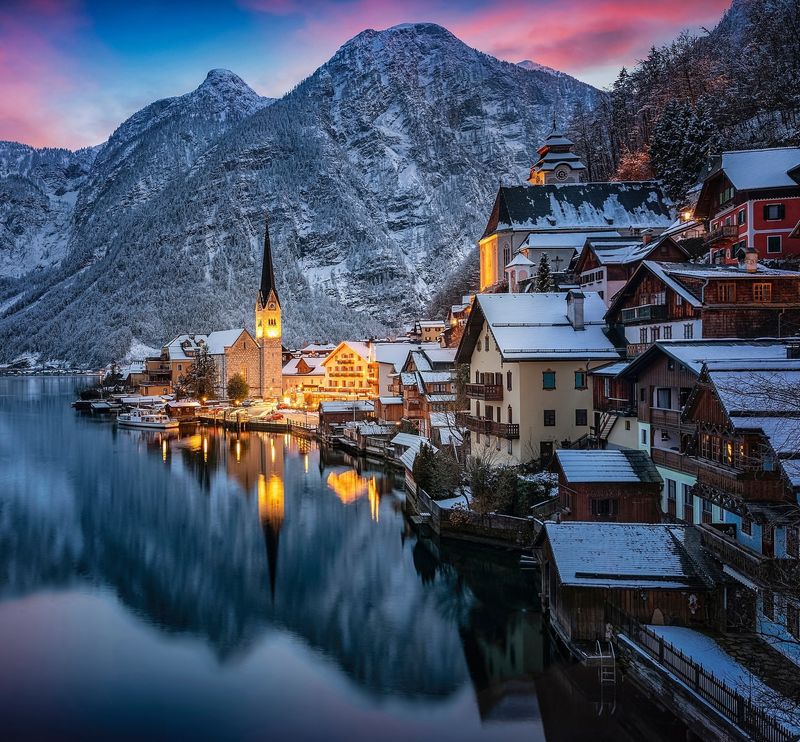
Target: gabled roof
<point>293,367</point>
<point>693,353</point>
<point>520,260</point>
<point>623,251</point>
<point>626,466</point>
<point>580,206</point>
<point>761,168</point>
<point>217,341</point>
<point>359,348</point>
<point>535,327</point>
<point>627,555</point>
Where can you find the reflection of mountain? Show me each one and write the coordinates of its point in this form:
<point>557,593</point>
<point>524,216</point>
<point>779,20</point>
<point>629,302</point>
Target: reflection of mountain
<point>181,539</point>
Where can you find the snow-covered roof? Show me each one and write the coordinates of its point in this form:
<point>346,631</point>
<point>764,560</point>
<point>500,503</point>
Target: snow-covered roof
<point>217,341</point>
<point>535,326</point>
<point>442,419</point>
<point>521,261</point>
<point>396,354</point>
<point>439,355</point>
<point>431,323</point>
<point>581,206</point>
<point>760,388</point>
<point>315,363</point>
<point>612,369</point>
<point>450,436</point>
<point>318,348</point>
<point>791,467</point>
<point>727,272</point>
<point>421,361</point>
<point>622,555</point>
<point>761,168</point>
<point>628,466</point>
<point>408,378</point>
<point>340,405</point>
<point>622,251</point>
<point>436,377</point>
<point>390,400</point>
<point>440,398</point>
<point>409,456</point>
<point>574,240</point>
<point>408,439</point>
<point>659,270</point>
<point>374,429</point>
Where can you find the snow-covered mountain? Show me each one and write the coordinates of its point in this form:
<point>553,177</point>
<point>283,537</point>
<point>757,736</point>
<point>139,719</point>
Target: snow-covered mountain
<point>377,172</point>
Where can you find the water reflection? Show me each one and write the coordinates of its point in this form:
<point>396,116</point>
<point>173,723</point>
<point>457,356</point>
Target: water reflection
<point>293,565</point>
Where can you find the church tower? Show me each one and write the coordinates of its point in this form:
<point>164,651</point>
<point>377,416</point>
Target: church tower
<point>557,162</point>
<point>268,327</point>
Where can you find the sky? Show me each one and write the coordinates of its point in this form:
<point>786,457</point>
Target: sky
<point>72,70</point>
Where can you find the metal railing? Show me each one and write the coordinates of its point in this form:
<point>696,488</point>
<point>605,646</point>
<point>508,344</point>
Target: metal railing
<point>736,708</point>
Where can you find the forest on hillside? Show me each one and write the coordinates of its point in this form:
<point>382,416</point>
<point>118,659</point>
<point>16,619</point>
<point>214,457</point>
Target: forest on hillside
<point>734,87</point>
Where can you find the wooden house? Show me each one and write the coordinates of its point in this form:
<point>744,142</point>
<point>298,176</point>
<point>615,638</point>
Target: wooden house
<point>656,573</point>
<point>613,485</point>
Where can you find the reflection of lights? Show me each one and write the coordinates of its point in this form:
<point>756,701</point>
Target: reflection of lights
<point>374,500</point>
<point>194,442</point>
<point>305,462</point>
<point>347,485</point>
<point>205,449</point>
<point>238,450</point>
<point>164,450</point>
<point>270,500</point>
<point>272,450</point>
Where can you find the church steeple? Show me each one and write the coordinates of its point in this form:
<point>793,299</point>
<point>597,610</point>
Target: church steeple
<point>557,162</point>
<point>267,273</point>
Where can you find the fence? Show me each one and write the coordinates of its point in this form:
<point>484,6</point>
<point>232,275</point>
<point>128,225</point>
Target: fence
<point>735,707</point>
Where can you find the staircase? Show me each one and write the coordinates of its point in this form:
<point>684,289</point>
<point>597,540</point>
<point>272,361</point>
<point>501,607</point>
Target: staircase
<point>607,420</point>
<point>607,675</point>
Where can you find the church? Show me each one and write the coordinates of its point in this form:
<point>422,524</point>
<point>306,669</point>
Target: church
<point>257,359</point>
<point>558,210</point>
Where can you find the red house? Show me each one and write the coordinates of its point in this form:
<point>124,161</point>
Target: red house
<point>752,199</point>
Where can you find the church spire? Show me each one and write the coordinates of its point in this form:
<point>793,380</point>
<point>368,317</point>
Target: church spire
<point>267,272</point>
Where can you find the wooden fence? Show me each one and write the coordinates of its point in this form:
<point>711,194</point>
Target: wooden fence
<point>736,708</point>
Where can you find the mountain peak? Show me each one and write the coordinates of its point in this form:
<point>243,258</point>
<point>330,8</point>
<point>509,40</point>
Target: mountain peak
<point>219,77</point>
<point>529,64</point>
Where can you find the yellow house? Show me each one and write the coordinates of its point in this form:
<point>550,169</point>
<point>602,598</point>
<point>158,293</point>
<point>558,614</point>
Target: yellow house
<point>351,372</point>
<point>529,359</point>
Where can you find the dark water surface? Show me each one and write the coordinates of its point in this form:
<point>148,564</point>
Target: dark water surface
<point>209,586</point>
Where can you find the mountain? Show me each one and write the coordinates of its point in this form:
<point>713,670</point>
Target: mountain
<point>377,172</point>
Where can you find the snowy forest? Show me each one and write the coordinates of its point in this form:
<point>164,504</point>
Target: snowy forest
<point>734,87</point>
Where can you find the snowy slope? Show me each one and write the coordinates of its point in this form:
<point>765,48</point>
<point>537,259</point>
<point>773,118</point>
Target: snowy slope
<point>377,172</point>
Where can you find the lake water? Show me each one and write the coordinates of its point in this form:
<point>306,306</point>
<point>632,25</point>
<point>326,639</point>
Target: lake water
<point>214,586</point>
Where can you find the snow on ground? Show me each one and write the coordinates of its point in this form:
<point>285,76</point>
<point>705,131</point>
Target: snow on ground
<point>139,351</point>
<point>451,502</point>
<point>706,652</point>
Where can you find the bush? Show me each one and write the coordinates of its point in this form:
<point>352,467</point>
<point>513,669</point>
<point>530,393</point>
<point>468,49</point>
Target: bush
<point>238,388</point>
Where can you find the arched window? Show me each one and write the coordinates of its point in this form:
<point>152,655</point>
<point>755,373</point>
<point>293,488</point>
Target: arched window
<point>510,415</point>
<point>508,380</point>
<point>486,343</point>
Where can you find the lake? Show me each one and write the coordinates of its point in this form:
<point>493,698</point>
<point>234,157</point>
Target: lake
<point>214,586</point>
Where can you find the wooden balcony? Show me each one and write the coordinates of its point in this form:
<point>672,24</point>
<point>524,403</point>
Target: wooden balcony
<point>488,392</point>
<point>729,551</point>
<point>487,427</point>
<point>727,233</point>
<point>674,460</point>
<point>644,313</point>
<point>724,484</point>
<point>665,418</point>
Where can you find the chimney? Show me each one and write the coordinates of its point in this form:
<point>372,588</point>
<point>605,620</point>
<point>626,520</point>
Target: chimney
<point>751,260</point>
<point>647,236</point>
<point>575,308</point>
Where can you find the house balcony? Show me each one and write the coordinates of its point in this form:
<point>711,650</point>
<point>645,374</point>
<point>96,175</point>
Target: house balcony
<point>727,486</point>
<point>674,460</point>
<point>726,233</point>
<point>487,427</point>
<point>488,392</point>
<point>644,312</point>
<point>730,552</point>
<point>665,418</point>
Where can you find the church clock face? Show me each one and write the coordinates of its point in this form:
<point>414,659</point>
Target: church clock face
<point>271,306</point>
<point>561,174</point>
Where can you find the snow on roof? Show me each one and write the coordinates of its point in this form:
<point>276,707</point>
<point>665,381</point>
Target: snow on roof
<point>761,168</point>
<point>574,240</point>
<point>421,361</point>
<point>621,251</point>
<point>442,419</point>
<point>609,465</point>
<point>436,377</point>
<point>613,369</point>
<point>217,341</point>
<point>783,433</point>
<point>431,323</point>
<point>390,400</point>
<point>408,378</point>
<point>622,555</point>
<point>396,354</point>
<point>341,405</point>
<point>317,369</point>
<point>658,269</point>
<point>760,388</point>
<point>450,436</point>
<point>531,326</point>
<point>520,260</point>
<point>374,429</point>
<point>441,398</point>
<point>408,439</point>
<point>318,348</point>
<point>409,456</point>
<point>440,355</point>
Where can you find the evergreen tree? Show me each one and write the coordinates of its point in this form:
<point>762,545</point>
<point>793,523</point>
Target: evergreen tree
<point>201,377</point>
<point>544,276</point>
<point>424,468</point>
<point>238,388</point>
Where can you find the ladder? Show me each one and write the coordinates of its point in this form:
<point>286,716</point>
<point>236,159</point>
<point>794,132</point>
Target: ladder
<point>607,675</point>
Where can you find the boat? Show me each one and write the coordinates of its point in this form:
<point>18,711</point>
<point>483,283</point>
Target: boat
<point>138,418</point>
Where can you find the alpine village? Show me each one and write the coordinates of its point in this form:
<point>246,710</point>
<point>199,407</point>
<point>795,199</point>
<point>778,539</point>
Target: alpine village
<point>611,401</point>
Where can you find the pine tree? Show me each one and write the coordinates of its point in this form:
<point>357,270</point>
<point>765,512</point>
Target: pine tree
<point>201,377</point>
<point>238,388</point>
<point>544,276</point>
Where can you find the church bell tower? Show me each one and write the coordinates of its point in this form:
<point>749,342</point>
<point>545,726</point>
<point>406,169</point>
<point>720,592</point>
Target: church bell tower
<point>268,327</point>
<point>557,162</point>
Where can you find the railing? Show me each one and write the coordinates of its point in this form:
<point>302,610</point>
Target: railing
<point>503,430</point>
<point>488,427</point>
<point>727,232</point>
<point>674,460</point>
<point>665,417</point>
<point>491,392</point>
<point>733,554</point>
<point>741,711</point>
<point>543,510</point>
<point>644,312</point>
<point>730,482</point>
<point>636,349</point>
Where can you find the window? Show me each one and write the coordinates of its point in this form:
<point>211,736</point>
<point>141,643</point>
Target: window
<point>546,451</point>
<point>642,394</point>
<point>581,417</point>
<point>706,505</point>
<point>774,243</point>
<point>180,367</point>
<point>489,412</point>
<point>549,418</point>
<point>508,380</point>
<point>664,398</point>
<point>774,212</point>
<point>644,436</point>
<point>486,343</point>
<point>747,526</point>
<point>642,335</point>
<point>762,292</point>
<point>655,334</point>
<point>741,216</point>
<point>604,508</point>
<point>548,379</point>
<point>580,380</point>
<point>727,293</point>
<point>667,333</point>
<point>672,493</point>
<point>687,495</point>
<point>510,447</point>
<point>688,331</point>
<point>726,195</point>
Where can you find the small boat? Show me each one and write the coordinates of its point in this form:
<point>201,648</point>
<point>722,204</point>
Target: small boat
<point>137,418</point>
